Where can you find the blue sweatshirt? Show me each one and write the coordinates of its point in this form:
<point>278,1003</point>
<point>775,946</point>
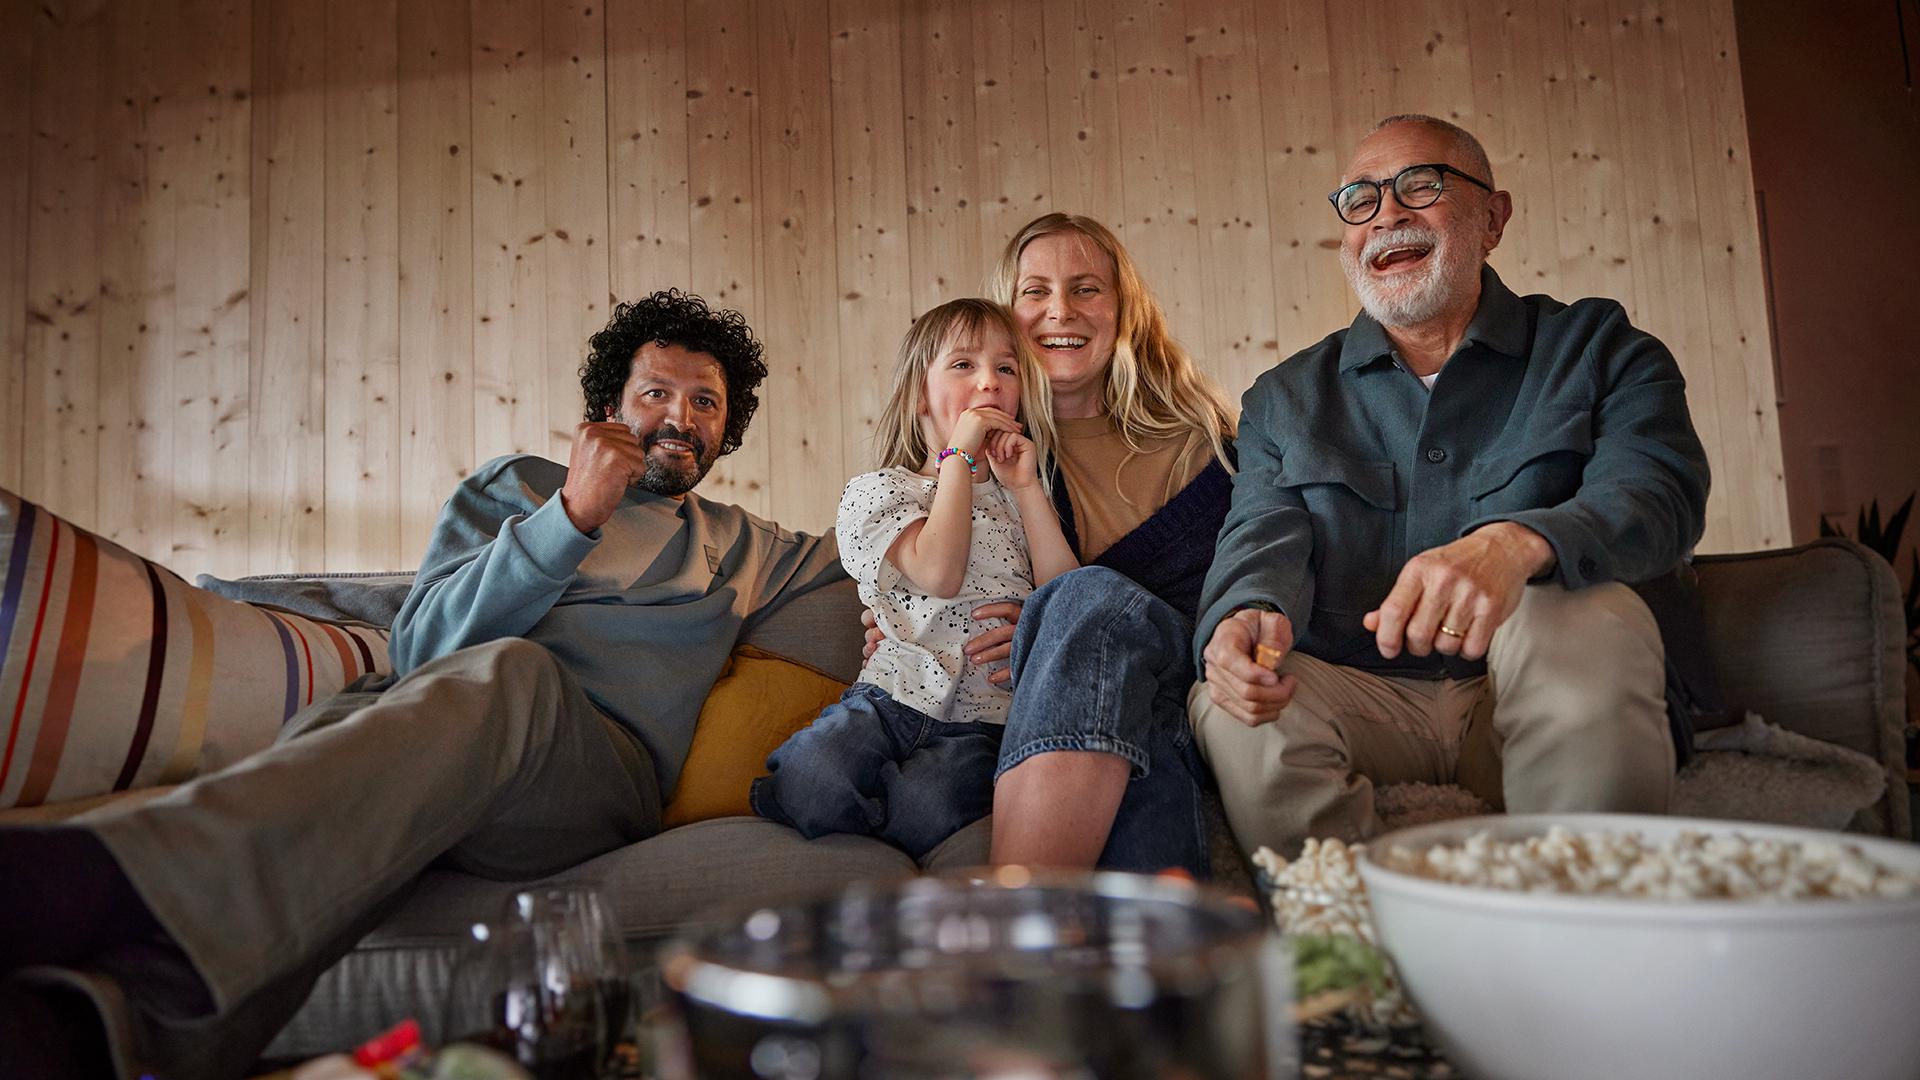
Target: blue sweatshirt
<point>642,612</point>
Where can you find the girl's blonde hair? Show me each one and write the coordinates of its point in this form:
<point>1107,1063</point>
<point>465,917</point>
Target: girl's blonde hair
<point>901,440</point>
<point>1153,389</point>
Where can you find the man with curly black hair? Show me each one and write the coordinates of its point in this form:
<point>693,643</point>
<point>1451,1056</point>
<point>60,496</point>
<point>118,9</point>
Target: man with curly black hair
<point>551,660</point>
<point>638,429</point>
<point>675,318</point>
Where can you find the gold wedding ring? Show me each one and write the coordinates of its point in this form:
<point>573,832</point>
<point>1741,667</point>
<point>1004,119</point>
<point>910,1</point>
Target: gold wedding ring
<point>1267,656</point>
<point>1451,632</point>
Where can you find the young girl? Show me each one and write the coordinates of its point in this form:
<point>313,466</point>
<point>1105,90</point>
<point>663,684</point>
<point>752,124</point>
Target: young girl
<point>957,516</point>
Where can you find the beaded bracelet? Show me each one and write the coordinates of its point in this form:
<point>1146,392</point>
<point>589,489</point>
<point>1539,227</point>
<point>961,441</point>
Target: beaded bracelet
<point>964,456</point>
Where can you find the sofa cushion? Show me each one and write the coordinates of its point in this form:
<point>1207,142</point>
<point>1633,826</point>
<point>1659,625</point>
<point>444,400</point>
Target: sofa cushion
<point>1812,638</point>
<point>757,702</point>
<point>820,628</point>
<point>116,674</point>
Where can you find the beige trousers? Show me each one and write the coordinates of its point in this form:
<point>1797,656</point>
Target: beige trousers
<point>1571,715</point>
<point>490,759</point>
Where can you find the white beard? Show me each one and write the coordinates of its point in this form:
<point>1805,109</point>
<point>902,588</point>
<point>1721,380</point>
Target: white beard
<point>1419,295</point>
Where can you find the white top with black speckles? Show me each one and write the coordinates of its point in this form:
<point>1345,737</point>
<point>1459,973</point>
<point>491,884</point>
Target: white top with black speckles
<point>921,663</point>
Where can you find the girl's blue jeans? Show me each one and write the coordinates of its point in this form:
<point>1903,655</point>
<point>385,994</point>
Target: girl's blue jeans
<point>872,766</point>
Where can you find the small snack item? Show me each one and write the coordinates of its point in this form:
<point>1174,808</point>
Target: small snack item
<point>1267,656</point>
<point>1332,972</point>
<point>467,1061</point>
<point>395,1054</point>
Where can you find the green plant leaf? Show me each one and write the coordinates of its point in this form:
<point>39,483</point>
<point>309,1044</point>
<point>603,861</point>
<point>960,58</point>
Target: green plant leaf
<point>1883,539</point>
<point>1913,607</point>
<point>1897,525</point>
<point>1913,600</point>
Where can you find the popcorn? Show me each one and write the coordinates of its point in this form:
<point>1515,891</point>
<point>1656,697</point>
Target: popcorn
<point>1689,866</point>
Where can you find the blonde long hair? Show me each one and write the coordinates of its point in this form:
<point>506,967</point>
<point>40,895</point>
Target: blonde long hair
<point>1153,389</point>
<point>899,437</point>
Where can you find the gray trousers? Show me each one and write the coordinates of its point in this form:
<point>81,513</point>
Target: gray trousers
<point>490,759</point>
<point>1571,715</point>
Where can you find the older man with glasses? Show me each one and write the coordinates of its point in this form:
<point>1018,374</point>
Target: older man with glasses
<point>1439,511</point>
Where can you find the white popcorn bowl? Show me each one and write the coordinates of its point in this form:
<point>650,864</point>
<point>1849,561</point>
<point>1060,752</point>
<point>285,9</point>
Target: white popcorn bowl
<point>1532,986</point>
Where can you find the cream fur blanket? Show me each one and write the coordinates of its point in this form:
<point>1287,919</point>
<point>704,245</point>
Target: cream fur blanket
<point>1751,771</point>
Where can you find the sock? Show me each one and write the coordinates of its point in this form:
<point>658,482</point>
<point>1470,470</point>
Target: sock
<point>65,899</point>
<point>51,1033</point>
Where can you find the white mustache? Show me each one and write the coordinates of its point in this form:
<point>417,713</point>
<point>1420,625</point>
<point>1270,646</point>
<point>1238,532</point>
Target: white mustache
<point>1401,237</point>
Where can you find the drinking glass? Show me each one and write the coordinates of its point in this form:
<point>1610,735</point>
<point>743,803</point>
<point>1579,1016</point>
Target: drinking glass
<point>545,984</point>
<point>583,907</point>
<point>1018,974</point>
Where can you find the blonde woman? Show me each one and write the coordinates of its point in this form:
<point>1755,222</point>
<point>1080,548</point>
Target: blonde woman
<point>1097,764</point>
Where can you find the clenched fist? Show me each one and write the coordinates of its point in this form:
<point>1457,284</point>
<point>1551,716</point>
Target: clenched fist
<point>606,459</point>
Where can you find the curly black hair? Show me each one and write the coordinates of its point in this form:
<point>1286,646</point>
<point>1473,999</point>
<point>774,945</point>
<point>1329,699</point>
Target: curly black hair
<point>675,318</point>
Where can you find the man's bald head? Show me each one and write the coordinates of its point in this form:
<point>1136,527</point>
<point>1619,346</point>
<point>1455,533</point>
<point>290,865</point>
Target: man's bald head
<point>1467,151</point>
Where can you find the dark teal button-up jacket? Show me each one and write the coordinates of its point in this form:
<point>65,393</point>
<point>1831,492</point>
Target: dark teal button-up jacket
<point>1561,417</point>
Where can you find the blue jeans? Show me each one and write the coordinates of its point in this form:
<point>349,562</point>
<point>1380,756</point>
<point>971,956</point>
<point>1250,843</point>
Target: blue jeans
<point>873,766</point>
<point>1101,664</point>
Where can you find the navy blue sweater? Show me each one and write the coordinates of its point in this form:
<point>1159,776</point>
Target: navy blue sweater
<point>1169,553</point>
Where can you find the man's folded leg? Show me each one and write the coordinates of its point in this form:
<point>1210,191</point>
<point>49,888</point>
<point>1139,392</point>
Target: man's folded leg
<point>1311,773</point>
<point>264,874</point>
<point>1578,681</point>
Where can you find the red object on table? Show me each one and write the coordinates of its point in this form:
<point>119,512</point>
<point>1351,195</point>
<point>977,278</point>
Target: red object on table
<point>389,1045</point>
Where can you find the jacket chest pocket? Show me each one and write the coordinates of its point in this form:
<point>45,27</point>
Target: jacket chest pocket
<point>1352,502</point>
<point>1544,470</point>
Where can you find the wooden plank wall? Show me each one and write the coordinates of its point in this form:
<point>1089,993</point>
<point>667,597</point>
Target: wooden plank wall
<point>275,274</point>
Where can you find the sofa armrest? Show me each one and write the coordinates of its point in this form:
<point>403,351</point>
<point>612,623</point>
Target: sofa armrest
<point>370,599</point>
<point>1813,639</point>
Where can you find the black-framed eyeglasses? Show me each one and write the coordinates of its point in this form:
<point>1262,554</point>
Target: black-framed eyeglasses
<point>1415,186</point>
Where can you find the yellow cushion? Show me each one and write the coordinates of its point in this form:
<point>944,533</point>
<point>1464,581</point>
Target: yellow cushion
<point>759,700</point>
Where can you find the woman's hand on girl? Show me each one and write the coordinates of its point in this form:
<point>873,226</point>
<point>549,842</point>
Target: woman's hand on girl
<point>1012,457</point>
<point>995,644</point>
<point>991,646</point>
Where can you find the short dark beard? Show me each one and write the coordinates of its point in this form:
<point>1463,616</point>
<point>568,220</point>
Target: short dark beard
<point>672,480</point>
<point>664,479</point>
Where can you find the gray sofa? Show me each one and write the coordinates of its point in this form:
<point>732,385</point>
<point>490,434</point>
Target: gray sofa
<point>1812,638</point>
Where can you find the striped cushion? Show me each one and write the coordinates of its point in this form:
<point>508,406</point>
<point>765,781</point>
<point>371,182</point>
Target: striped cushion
<point>116,674</point>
